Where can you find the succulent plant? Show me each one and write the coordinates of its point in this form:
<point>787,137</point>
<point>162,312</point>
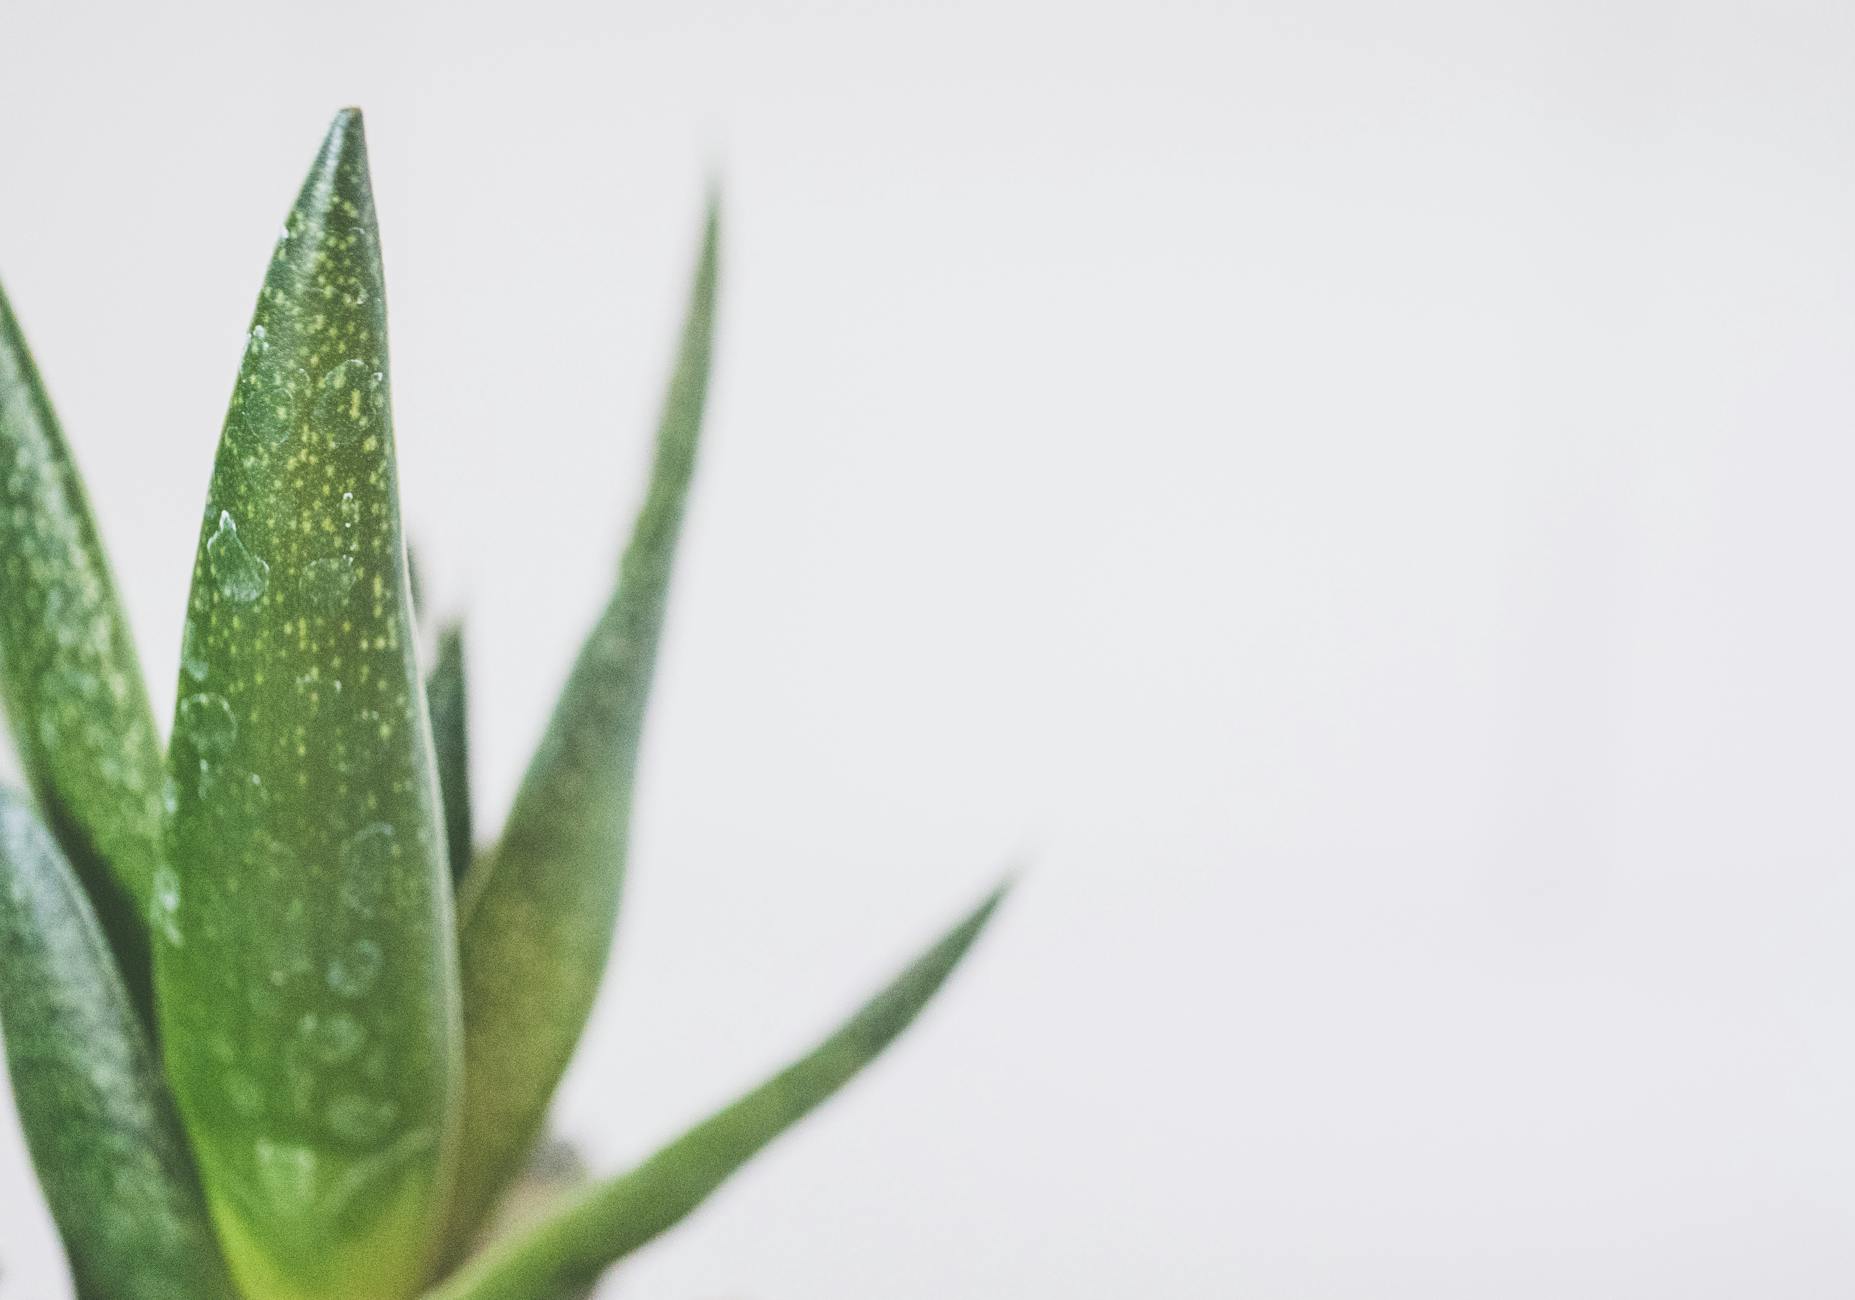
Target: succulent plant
<point>276,1029</point>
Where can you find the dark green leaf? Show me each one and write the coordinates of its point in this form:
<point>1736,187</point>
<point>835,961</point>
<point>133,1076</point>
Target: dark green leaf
<point>447,697</point>
<point>72,684</point>
<point>537,913</point>
<point>305,964</point>
<point>96,1113</point>
<point>571,1248</point>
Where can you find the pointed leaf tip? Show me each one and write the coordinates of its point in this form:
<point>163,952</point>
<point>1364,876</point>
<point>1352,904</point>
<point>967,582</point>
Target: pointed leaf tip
<point>339,184</point>
<point>346,130</point>
<point>69,676</point>
<point>536,913</point>
<point>313,932</point>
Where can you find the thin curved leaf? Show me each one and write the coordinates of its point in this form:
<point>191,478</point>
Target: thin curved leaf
<point>70,678</point>
<point>537,913</point>
<point>304,956</point>
<point>447,699</point>
<point>97,1117</point>
<point>570,1249</point>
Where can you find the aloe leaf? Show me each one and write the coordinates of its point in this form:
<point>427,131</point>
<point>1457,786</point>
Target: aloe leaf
<point>304,958</point>
<point>68,670</point>
<point>537,913</point>
<point>447,700</point>
<point>98,1121</point>
<point>570,1249</point>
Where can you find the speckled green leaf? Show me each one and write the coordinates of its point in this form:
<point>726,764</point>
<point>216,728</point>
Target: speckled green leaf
<point>447,699</point>
<point>614,1218</point>
<point>97,1118</point>
<point>536,915</point>
<point>304,958</point>
<point>72,685</point>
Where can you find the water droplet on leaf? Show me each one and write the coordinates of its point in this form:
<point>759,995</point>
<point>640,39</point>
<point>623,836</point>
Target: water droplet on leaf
<point>239,575</point>
<point>193,652</point>
<point>354,971</point>
<point>271,402</point>
<point>287,1174</point>
<point>354,1118</point>
<point>209,724</point>
<point>333,1038</point>
<point>327,582</point>
<point>351,403</point>
<point>366,868</point>
<point>166,910</point>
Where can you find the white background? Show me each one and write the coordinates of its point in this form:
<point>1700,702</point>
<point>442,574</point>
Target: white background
<point>1357,495</point>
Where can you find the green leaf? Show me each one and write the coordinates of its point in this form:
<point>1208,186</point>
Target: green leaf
<point>70,678</point>
<point>614,1218</point>
<point>537,913</point>
<point>447,699</point>
<point>96,1113</point>
<point>304,956</point>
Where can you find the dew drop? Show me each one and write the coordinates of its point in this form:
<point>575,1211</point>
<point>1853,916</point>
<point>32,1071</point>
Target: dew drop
<point>239,575</point>
<point>209,724</point>
<point>193,652</point>
<point>350,510</point>
<point>355,1118</point>
<point>351,402</point>
<point>271,402</point>
<point>356,969</point>
<point>366,868</point>
<point>287,1174</point>
<point>166,909</point>
<point>333,1038</point>
<point>327,582</point>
